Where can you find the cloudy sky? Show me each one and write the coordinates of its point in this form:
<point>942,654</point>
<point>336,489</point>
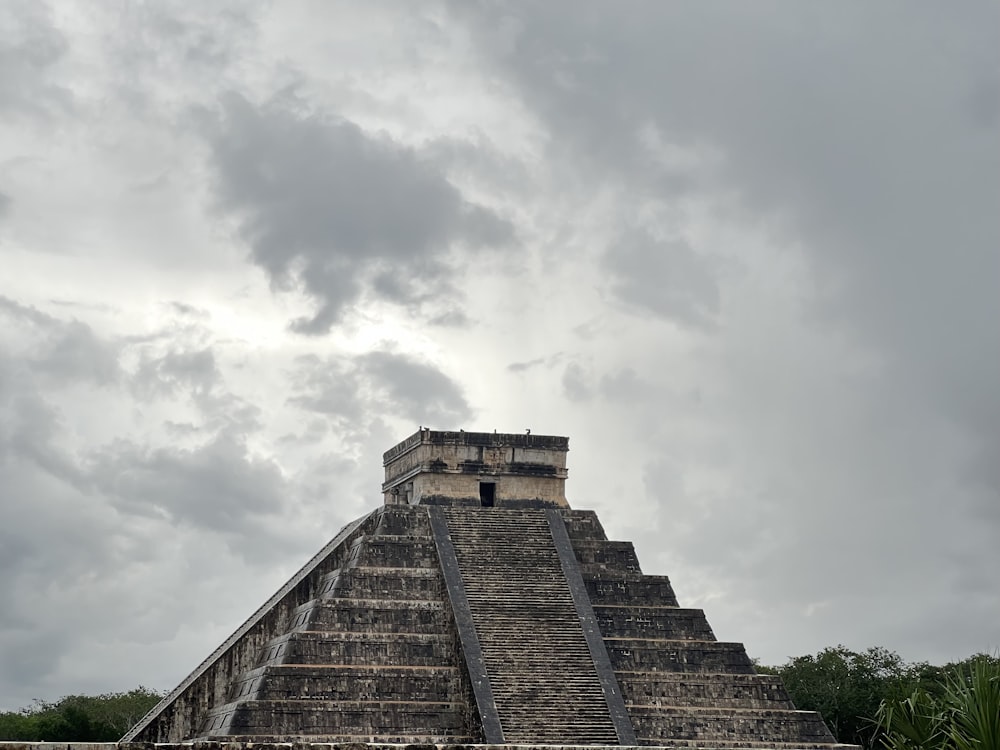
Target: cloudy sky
<point>747,256</point>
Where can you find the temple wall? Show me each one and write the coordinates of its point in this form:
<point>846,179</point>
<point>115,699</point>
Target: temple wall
<point>547,490</point>
<point>453,465</point>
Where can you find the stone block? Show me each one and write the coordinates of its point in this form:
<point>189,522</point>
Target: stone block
<point>670,623</point>
<point>636,655</point>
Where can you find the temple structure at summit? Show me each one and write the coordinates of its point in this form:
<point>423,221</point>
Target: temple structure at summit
<point>475,606</point>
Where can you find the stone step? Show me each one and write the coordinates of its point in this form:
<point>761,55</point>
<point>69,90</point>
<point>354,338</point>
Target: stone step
<point>373,582</point>
<point>611,587</point>
<point>343,682</point>
<point>583,525</point>
<point>397,551</point>
<point>658,655</point>
<point>242,742</point>
<point>308,647</point>
<point>542,676</point>
<point>373,615</point>
<point>602,556</point>
<point>302,741</point>
<point>671,623</point>
<point>402,520</point>
<point>709,724</point>
<point>350,717</point>
<point>704,690</point>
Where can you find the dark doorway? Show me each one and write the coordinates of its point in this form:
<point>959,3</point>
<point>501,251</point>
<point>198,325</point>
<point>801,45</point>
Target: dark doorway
<point>487,494</point>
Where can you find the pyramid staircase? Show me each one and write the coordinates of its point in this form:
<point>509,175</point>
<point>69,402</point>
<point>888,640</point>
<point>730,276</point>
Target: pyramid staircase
<point>462,625</point>
<point>541,671</point>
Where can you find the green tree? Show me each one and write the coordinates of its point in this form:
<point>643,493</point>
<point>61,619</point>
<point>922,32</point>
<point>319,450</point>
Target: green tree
<point>847,687</point>
<point>962,714</point>
<point>83,718</point>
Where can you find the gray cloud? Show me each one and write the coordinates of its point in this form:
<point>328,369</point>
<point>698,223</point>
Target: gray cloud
<point>382,382</point>
<point>527,365</point>
<point>811,438</point>
<point>625,385</point>
<point>327,386</point>
<point>414,389</point>
<point>835,137</point>
<point>83,520</point>
<point>337,211</point>
<point>665,278</point>
<point>878,163</point>
<point>216,486</point>
<point>62,351</point>
<point>29,46</point>
<point>576,383</point>
<point>193,371</point>
<point>188,311</point>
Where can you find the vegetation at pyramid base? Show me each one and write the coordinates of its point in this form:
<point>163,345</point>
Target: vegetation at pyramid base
<point>857,693</point>
<point>963,715</point>
<point>79,718</point>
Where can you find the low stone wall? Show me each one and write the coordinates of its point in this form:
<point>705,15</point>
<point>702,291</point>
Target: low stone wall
<point>245,745</point>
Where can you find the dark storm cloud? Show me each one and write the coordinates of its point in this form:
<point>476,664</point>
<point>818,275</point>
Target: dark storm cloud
<point>865,144</point>
<point>663,277</point>
<point>331,208</point>
<point>836,127</point>
<point>379,383</point>
<point>873,156</point>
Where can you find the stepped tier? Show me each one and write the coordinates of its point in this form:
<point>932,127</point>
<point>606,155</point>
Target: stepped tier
<point>456,624</point>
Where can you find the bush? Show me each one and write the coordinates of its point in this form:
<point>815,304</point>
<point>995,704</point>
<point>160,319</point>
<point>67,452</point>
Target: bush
<point>81,718</point>
<point>963,715</point>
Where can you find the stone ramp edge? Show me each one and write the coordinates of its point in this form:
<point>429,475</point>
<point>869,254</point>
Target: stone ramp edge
<point>219,652</point>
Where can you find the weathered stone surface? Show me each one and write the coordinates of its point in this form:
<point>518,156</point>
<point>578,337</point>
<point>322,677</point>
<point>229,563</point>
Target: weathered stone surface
<point>703,690</point>
<point>658,655</point>
<point>537,658</point>
<point>477,615</point>
<point>434,467</point>
<point>599,557</point>
<point>367,649</point>
<point>644,621</point>
<point>713,724</point>
<point>610,587</point>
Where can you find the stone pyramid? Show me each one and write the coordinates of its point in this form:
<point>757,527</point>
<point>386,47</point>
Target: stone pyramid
<point>476,607</point>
